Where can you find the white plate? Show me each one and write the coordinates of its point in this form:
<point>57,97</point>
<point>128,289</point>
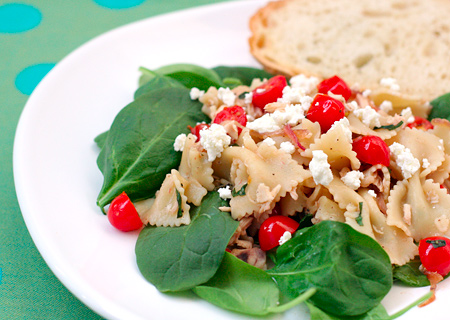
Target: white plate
<point>57,179</point>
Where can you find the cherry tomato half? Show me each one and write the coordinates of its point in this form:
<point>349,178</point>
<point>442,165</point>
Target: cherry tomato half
<point>196,130</point>
<point>273,228</point>
<point>372,150</point>
<point>336,85</point>
<point>325,110</point>
<point>235,113</point>
<point>434,253</point>
<point>420,123</point>
<point>123,215</point>
<point>269,91</point>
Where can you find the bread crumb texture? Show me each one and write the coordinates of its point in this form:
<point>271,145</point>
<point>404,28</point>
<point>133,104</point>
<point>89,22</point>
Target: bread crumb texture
<point>361,41</point>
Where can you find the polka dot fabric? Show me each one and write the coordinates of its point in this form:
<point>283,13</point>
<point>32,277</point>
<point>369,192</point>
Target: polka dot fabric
<point>34,36</point>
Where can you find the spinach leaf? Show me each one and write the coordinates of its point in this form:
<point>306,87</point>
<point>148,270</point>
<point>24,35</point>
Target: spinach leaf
<point>180,258</point>
<point>240,287</point>
<point>138,151</point>
<point>377,313</point>
<point>189,75</point>
<point>350,270</point>
<point>244,74</point>
<point>156,82</point>
<point>441,107</point>
<point>410,275</point>
<point>100,140</point>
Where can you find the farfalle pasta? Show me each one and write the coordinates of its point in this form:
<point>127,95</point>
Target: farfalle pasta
<point>281,159</point>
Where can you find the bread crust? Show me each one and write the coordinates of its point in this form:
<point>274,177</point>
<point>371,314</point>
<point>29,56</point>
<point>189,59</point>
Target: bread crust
<point>422,73</point>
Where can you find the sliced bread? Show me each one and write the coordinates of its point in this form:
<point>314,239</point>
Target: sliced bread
<point>362,41</point>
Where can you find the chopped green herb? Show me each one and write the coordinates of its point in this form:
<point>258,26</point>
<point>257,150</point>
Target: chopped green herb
<point>180,211</point>
<point>391,126</point>
<point>241,192</point>
<point>359,219</point>
<point>437,243</point>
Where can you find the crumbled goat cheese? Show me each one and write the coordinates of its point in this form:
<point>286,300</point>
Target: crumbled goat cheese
<point>345,125</point>
<point>287,147</point>
<point>404,159</point>
<point>351,106</point>
<point>386,106</point>
<point>178,145</point>
<point>390,83</point>
<point>196,93</point>
<point>227,96</point>
<point>225,192</point>
<point>369,116</point>
<point>248,97</point>
<point>425,163</point>
<point>285,237</point>
<point>264,124</point>
<point>269,141</point>
<point>372,193</point>
<point>292,95</point>
<point>320,168</point>
<point>353,179</point>
<point>366,93</point>
<point>307,84</point>
<point>214,139</point>
<point>292,115</point>
<point>408,115</point>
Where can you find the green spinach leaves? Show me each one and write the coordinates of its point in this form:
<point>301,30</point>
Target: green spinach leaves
<point>138,150</point>
<point>350,270</point>
<point>180,258</point>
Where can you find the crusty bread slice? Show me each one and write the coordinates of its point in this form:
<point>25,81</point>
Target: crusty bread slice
<point>362,41</point>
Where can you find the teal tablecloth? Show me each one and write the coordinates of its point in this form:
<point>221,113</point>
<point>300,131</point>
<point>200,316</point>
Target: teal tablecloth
<point>34,36</point>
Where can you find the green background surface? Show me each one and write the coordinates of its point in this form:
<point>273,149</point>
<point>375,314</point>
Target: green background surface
<point>28,288</point>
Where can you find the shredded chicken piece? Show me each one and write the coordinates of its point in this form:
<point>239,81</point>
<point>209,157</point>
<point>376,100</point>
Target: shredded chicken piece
<point>241,230</point>
<point>434,279</point>
<point>254,256</point>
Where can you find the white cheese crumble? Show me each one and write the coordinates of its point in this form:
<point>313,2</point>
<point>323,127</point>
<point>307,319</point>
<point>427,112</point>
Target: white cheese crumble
<point>214,139</point>
<point>404,159</point>
<point>269,141</point>
<point>390,83</point>
<point>345,125</point>
<point>425,163</point>
<point>320,168</point>
<point>225,192</point>
<point>372,193</point>
<point>227,96</point>
<point>307,84</point>
<point>292,115</point>
<point>366,93</point>
<point>353,179</point>
<point>196,93</point>
<point>264,124</point>
<point>178,145</point>
<point>408,115</point>
<point>285,237</point>
<point>369,116</point>
<point>292,95</point>
<point>287,147</point>
<point>386,106</point>
<point>248,97</point>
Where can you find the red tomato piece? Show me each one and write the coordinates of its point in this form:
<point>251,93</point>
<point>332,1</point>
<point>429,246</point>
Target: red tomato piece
<point>420,123</point>
<point>434,253</point>
<point>336,85</point>
<point>273,228</point>
<point>235,113</point>
<point>325,110</point>
<point>269,91</point>
<point>199,127</point>
<point>123,215</point>
<point>372,150</point>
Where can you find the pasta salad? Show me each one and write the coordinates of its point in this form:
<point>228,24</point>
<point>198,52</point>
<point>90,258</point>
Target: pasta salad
<point>259,192</point>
